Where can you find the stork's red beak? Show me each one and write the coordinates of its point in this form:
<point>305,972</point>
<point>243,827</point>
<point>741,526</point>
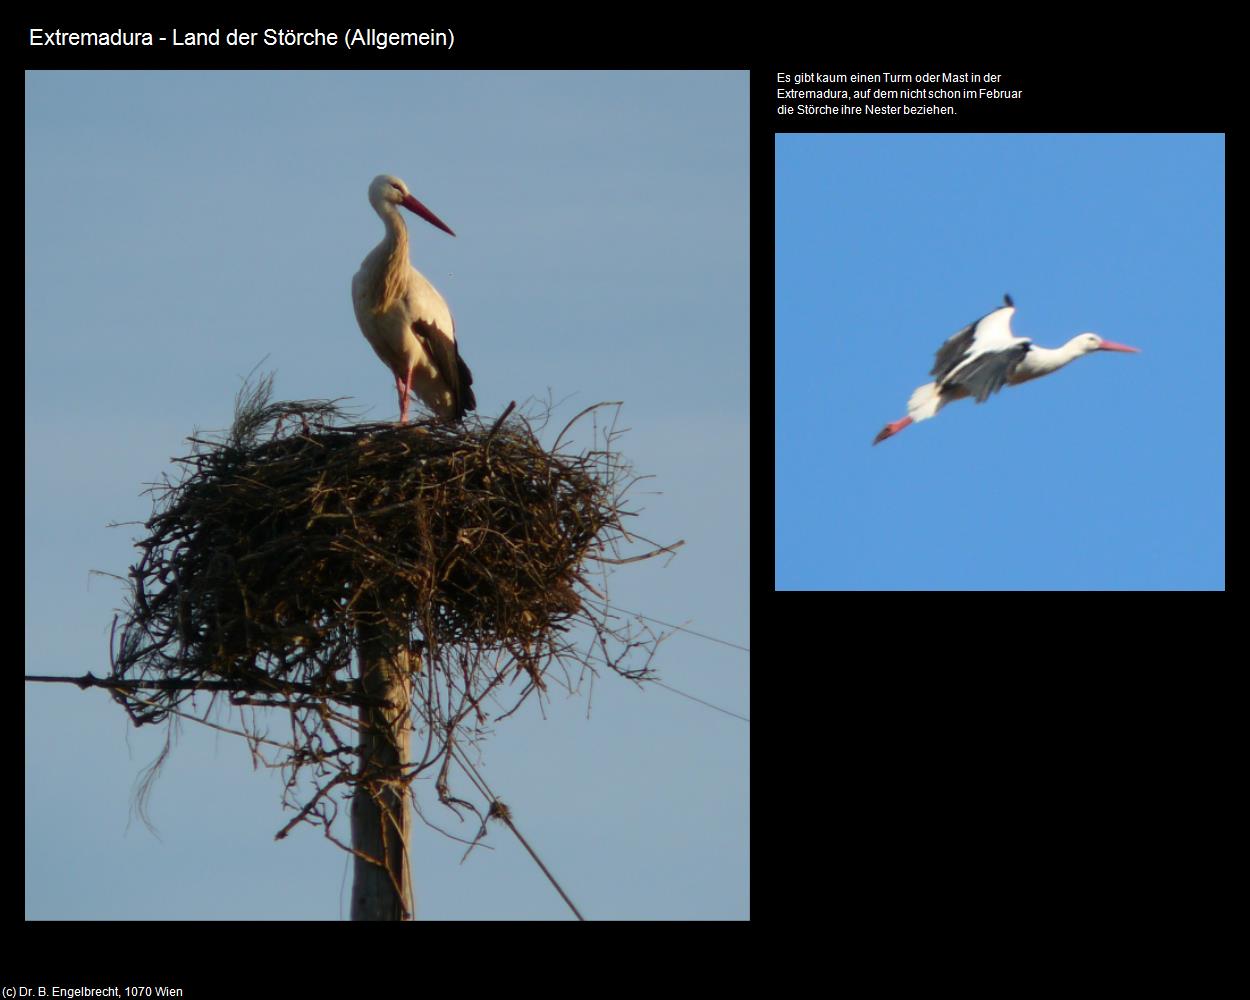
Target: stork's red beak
<point>1111,345</point>
<point>413,205</point>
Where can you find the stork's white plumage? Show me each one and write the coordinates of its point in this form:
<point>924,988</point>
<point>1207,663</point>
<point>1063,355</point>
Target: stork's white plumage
<point>402,315</point>
<point>983,357</point>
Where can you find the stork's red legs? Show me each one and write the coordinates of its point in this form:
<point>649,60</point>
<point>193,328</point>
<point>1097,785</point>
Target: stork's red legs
<point>891,429</point>
<point>403,385</point>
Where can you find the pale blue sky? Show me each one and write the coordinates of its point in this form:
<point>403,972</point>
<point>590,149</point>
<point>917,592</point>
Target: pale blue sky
<point>1106,475</point>
<point>180,228</point>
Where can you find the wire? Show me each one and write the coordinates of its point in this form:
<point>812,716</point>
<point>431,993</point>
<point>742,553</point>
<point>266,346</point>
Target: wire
<point>682,628</point>
<point>501,812</point>
<point>668,687</point>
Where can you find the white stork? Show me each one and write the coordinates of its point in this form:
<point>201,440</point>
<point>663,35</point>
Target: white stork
<point>402,315</point>
<point>983,357</point>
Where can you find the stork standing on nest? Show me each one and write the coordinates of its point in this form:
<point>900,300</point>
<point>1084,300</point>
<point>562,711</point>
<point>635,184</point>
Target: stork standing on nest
<point>403,317</point>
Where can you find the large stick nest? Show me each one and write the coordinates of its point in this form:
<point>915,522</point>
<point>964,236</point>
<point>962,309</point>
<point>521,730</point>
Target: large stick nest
<point>471,545</point>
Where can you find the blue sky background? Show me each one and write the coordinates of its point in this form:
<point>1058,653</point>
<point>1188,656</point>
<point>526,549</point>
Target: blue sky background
<point>183,227</point>
<point>1106,475</point>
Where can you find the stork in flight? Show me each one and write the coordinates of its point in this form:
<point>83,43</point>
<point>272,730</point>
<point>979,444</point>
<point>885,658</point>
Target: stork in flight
<point>403,317</point>
<point>983,357</point>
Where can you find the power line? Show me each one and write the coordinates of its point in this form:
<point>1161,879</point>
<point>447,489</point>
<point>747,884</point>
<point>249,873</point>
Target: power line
<point>682,628</point>
<point>501,812</point>
<point>667,687</point>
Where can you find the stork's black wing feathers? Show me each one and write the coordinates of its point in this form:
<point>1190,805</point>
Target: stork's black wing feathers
<point>989,372</point>
<point>959,345</point>
<point>952,353</point>
<point>445,353</point>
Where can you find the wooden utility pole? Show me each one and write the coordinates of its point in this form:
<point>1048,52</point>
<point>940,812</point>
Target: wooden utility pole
<point>382,888</point>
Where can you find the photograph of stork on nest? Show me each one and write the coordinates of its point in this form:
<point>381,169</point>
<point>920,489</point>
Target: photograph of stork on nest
<point>463,634</point>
